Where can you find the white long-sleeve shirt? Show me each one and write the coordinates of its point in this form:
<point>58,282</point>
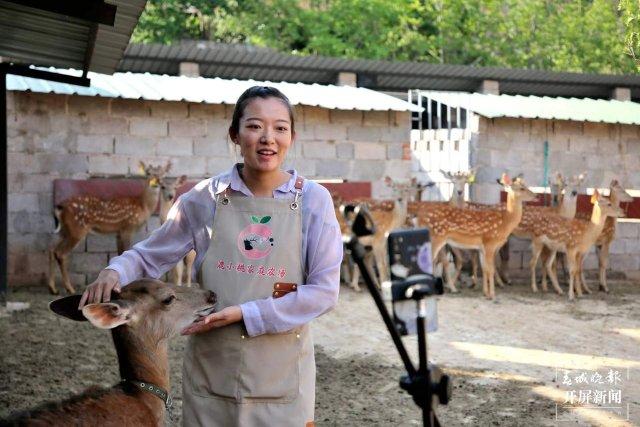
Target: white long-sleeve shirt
<point>189,226</point>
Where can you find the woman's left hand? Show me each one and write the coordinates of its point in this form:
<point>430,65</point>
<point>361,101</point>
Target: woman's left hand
<point>224,317</point>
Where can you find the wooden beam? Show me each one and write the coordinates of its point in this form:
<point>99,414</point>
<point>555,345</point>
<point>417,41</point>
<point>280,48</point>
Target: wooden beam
<point>90,10</point>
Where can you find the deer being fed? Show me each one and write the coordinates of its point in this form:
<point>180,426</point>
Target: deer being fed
<point>142,318</point>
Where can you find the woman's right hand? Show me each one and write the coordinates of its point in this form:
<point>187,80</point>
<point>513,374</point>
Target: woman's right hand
<point>100,289</point>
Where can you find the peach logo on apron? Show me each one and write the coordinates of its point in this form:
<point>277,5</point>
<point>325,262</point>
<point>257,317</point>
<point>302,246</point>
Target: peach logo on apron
<point>255,241</point>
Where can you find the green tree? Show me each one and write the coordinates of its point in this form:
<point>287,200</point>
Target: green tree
<point>561,35</point>
<point>630,10</point>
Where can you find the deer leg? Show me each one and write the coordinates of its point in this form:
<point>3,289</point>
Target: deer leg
<point>475,258</point>
<point>504,263</point>
<point>190,259</point>
<point>345,274</point>
<point>355,277</point>
<point>583,281</point>
<point>379,252</point>
<point>61,253</point>
<point>562,260</point>
<point>119,244</point>
<point>437,251</point>
<point>544,256</point>
<point>498,278</point>
<point>536,249</point>
<point>443,258</point>
<point>124,240</point>
<point>571,262</point>
<point>490,270</point>
<point>52,273</point>
<point>484,276</point>
<point>457,258</point>
<point>65,275</point>
<point>548,266</point>
<point>603,261</point>
<point>176,273</point>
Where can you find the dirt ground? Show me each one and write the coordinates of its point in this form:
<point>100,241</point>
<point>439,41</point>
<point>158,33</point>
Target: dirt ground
<point>507,358</point>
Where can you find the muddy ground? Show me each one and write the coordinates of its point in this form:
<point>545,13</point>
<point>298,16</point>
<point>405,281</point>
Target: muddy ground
<point>504,357</point>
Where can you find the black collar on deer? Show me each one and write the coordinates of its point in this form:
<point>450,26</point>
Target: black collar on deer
<point>156,391</point>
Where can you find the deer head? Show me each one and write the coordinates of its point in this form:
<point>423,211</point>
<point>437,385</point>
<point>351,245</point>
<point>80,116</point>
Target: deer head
<point>517,188</point>
<point>618,192</point>
<point>149,308</point>
<point>154,174</point>
<point>606,207</point>
<point>572,187</point>
<point>168,190</point>
<point>460,180</point>
<point>403,191</point>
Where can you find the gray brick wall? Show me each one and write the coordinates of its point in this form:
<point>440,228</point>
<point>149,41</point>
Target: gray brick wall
<point>55,136</point>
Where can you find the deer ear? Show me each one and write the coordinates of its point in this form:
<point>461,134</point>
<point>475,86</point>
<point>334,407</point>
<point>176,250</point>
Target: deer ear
<point>68,307</point>
<point>504,179</point>
<point>167,167</point>
<point>107,315</point>
<point>472,177</point>
<point>181,180</point>
<point>142,168</point>
<point>614,182</point>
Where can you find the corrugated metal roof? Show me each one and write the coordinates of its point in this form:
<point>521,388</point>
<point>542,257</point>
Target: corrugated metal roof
<point>211,91</point>
<point>35,36</point>
<point>250,62</point>
<point>536,107</point>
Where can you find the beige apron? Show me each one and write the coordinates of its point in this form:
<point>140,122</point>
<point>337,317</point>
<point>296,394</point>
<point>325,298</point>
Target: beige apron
<point>229,378</point>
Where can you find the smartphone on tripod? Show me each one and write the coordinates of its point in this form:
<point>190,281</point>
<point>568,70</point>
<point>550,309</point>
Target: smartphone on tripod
<point>410,263</point>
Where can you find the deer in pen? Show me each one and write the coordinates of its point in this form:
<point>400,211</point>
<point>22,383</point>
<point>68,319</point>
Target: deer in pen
<point>142,318</point>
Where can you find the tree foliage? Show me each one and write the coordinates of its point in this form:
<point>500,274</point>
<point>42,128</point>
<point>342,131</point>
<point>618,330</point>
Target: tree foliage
<point>630,10</point>
<point>563,35</point>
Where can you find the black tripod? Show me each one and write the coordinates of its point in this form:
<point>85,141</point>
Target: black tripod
<point>428,380</point>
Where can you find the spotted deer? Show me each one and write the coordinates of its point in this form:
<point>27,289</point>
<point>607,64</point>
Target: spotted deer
<point>617,195</point>
<point>387,215</point>
<point>167,198</point>
<point>78,216</point>
<point>485,230</point>
<point>459,181</point>
<point>573,237</point>
<point>142,319</point>
<point>534,216</point>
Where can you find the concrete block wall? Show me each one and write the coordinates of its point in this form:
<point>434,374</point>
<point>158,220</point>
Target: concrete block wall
<point>55,136</point>
<point>604,151</point>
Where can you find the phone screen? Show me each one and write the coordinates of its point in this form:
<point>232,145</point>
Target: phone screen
<point>410,255</point>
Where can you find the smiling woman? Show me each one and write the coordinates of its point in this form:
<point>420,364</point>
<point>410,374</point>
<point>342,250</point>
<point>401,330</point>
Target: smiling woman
<point>269,245</point>
<point>263,127</point>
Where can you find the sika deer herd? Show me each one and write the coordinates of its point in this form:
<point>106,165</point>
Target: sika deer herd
<point>462,226</point>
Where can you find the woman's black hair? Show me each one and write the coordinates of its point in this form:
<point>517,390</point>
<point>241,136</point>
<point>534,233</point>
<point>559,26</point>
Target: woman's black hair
<point>248,95</point>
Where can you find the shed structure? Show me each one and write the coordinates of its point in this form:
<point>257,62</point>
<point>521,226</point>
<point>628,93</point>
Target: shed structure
<point>535,136</point>
<point>59,131</point>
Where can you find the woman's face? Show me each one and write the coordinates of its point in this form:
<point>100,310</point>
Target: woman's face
<point>264,134</point>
